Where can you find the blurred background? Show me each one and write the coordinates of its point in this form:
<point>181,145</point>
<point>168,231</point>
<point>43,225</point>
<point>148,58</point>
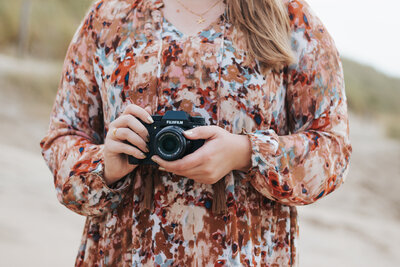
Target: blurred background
<point>358,225</point>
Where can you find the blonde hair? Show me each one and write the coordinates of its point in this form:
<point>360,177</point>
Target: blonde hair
<point>266,28</point>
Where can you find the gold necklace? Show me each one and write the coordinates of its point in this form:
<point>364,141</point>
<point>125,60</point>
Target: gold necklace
<point>200,20</point>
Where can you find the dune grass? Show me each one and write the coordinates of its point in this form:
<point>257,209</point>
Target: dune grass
<point>51,25</point>
<point>371,93</point>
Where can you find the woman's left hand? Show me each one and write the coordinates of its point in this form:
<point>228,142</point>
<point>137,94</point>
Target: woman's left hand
<point>221,153</point>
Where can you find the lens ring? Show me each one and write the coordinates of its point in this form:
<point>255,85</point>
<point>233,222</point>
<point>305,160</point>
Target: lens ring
<point>170,144</point>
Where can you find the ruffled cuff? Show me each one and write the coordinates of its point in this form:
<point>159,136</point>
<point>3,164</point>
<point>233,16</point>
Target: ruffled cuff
<point>264,145</point>
<point>86,192</point>
<point>116,187</point>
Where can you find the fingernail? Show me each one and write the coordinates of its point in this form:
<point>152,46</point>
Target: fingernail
<point>162,169</point>
<point>153,158</point>
<point>188,132</point>
<point>150,119</point>
<point>147,149</point>
<point>142,155</point>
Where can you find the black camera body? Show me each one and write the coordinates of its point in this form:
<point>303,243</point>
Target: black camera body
<point>167,139</point>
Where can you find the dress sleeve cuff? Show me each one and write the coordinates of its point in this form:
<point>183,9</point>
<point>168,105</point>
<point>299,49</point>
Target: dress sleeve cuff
<point>117,187</point>
<point>264,145</point>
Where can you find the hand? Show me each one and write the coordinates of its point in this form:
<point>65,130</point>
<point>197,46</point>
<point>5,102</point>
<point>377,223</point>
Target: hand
<point>221,153</point>
<point>125,128</point>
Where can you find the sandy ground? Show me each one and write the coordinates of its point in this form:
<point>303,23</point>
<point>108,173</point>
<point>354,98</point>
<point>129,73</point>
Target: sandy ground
<point>358,225</point>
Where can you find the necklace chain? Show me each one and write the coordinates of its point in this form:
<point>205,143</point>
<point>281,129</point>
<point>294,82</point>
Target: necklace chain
<point>200,19</point>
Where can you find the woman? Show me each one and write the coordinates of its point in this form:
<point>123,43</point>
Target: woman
<point>266,76</point>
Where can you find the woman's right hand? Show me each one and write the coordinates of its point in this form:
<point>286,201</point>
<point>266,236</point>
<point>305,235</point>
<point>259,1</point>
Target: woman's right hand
<point>125,128</point>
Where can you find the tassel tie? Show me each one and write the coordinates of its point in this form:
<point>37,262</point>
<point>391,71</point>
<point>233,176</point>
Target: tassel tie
<point>151,180</point>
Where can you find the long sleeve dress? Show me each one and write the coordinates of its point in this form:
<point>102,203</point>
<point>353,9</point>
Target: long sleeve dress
<point>126,52</point>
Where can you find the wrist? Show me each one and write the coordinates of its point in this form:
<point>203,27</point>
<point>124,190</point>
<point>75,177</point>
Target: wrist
<point>109,179</point>
<point>242,155</point>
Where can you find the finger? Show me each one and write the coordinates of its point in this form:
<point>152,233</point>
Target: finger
<point>122,148</point>
<point>189,173</point>
<point>203,174</point>
<point>138,112</point>
<point>202,132</point>
<point>186,163</point>
<point>126,134</point>
<point>202,155</point>
<point>197,174</point>
<point>179,165</point>
<point>148,109</point>
<point>193,174</point>
<point>129,121</point>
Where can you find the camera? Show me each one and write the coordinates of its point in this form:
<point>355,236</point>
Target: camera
<point>167,139</point>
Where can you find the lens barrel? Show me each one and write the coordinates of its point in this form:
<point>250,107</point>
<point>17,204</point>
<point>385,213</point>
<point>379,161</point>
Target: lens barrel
<point>170,143</point>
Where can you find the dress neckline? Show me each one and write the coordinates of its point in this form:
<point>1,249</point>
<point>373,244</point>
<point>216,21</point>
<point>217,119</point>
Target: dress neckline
<point>159,4</point>
<point>197,34</point>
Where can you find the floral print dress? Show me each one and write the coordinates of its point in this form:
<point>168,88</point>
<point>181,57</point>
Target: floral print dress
<point>126,52</point>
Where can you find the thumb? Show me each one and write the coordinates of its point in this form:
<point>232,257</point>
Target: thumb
<point>201,132</point>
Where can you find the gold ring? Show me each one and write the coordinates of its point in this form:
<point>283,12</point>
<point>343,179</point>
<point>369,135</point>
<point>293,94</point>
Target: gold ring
<point>115,132</point>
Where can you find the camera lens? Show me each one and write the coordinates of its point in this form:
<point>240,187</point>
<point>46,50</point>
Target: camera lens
<point>170,144</point>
